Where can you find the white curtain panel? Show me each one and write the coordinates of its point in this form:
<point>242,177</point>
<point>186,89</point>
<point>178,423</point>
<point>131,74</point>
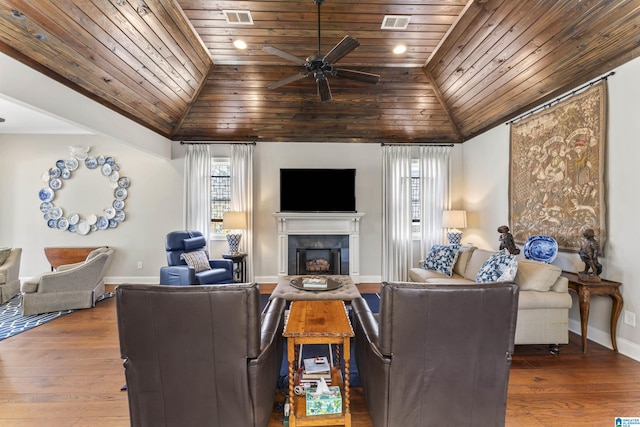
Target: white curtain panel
<point>242,196</point>
<point>396,213</point>
<point>197,189</point>
<point>434,167</point>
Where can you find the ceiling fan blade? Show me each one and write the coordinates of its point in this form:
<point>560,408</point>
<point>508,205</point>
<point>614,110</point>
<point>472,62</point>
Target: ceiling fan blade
<point>360,76</point>
<point>287,80</point>
<point>346,45</point>
<point>323,88</point>
<point>285,55</point>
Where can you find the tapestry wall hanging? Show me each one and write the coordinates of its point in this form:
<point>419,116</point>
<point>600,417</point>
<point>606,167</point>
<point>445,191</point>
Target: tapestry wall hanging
<point>556,171</point>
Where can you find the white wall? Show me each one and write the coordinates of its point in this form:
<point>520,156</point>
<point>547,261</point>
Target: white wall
<point>365,158</point>
<point>486,189</point>
<point>153,205</point>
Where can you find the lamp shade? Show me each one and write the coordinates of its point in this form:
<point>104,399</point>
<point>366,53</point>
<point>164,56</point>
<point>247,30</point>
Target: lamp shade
<point>234,220</point>
<point>454,219</point>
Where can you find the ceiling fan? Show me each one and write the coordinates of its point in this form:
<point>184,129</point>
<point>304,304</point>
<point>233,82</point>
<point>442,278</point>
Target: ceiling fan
<point>321,66</point>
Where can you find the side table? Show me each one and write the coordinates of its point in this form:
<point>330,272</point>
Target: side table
<point>584,291</point>
<point>319,322</point>
<point>239,263</point>
<point>58,256</point>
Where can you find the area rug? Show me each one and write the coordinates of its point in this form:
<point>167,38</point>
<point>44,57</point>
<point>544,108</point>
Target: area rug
<point>12,322</point>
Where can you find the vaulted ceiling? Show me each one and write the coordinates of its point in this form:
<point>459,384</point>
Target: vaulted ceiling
<point>171,65</point>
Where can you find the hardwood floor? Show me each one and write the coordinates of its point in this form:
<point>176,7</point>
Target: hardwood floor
<point>68,373</point>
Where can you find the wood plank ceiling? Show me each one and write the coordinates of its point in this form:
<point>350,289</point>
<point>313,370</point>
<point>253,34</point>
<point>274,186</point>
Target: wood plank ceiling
<point>171,64</point>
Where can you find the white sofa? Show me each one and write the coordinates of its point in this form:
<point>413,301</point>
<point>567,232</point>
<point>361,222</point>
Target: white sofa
<point>543,304</point>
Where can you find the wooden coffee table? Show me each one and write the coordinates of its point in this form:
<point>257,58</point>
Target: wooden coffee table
<point>319,322</point>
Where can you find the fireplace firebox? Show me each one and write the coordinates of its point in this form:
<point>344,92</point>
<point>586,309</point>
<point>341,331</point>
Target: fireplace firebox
<point>318,254</point>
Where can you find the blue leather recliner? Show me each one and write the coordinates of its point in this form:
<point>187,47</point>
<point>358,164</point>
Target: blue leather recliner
<point>179,273</point>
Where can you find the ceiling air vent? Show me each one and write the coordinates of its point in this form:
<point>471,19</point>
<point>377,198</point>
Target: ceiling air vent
<point>238,17</point>
<point>395,22</point>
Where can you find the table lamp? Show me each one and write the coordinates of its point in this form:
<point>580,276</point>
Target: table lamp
<point>453,220</point>
<point>234,221</point>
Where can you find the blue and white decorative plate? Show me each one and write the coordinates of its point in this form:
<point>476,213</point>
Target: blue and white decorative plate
<point>55,213</point>
<point>73,218</point>
<point>541,248</point>
<point>46,194</point>
<point>45,207</point>
<point>63,223</point>
<point>71,163</point>
<point>55,172</point>
<point>120,193</point>
<point>102,223</point>
<point>55,183</point>
<point>91,162</point>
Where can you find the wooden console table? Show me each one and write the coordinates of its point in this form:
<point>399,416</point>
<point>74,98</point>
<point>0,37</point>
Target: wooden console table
<point>584,291</point>
<point>319,322</point>
<point>63,256</point>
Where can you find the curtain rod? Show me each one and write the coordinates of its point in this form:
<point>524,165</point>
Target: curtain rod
<point>560,98</point>
<point>215,142</point>
<point>417,144</point>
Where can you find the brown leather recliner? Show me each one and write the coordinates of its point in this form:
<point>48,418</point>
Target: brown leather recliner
<point>437,354</point>
<point>199,355</point>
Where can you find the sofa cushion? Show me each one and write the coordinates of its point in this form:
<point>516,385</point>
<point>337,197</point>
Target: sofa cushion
<point>536,276</point>
<point>441,258</point>
<point>476,260</point>
<point>4,254</point>
<point>464,254</point>
<point>197,259</point>
<point>500,267</point>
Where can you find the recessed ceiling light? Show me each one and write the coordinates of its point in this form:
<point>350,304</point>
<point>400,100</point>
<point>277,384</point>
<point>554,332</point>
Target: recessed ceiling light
<point>240,44</point>
<point>399,49</point>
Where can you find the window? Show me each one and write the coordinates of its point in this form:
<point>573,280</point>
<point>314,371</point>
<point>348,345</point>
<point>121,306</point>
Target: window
<point>415,191</point>
<point>415,197</point>
<point>220,191</point>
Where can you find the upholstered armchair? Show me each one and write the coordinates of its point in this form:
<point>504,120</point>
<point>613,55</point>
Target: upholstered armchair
<point>437,354</point>
<point>9,273</point>
<point>71,286</point>
<point>189,264</point>
<point>199,355</point>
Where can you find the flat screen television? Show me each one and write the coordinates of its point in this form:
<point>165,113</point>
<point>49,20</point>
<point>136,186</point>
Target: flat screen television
<point>317,190</point>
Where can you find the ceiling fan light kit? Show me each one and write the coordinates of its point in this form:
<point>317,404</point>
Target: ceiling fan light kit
<point>321,66</point>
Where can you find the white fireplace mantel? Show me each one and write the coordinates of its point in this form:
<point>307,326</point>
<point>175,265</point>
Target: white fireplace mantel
<point>339,223</point>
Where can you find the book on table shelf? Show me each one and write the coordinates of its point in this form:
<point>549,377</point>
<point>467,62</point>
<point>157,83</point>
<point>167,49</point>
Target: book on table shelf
<point>312,380</point>
<point>317,364</point>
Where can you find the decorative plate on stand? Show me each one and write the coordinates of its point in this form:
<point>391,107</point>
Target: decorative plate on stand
<point>541,248</point>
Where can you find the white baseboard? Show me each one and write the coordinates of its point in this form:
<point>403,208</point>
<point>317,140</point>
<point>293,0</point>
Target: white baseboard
<point>625,347</point>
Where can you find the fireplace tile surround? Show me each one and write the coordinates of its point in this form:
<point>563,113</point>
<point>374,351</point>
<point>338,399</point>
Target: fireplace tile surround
<point>345,224</point>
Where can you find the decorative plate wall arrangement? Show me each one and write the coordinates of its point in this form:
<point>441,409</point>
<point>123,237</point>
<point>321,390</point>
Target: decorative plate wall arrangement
<point>74,222</point>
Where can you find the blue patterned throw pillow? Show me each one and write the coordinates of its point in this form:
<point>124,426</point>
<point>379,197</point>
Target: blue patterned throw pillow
<point>500,267</point>
<point>442,258</point>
